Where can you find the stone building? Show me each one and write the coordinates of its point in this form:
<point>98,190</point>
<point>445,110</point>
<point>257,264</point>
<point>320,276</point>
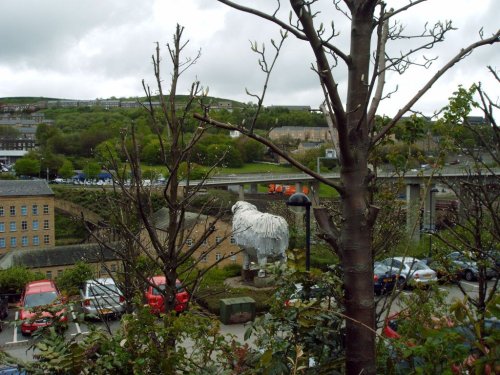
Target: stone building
<point>26,215</point>
<point>52,261</point>
<point>226,252</point>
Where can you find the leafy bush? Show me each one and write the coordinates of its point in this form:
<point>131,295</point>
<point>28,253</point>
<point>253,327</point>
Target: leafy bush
<point>72,278</point>
<point>13,280</point>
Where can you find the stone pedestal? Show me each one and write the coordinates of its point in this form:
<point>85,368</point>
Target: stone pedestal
<point>248,276</point>
<point>264,282</point>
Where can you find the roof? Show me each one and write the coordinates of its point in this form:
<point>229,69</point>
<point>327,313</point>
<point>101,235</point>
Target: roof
<point>56,256</point>
<point>161,219</point>
<point>21,188</point>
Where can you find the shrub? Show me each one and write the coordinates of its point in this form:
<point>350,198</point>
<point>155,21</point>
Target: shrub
<point>13,280</point>
<point>72,278</point>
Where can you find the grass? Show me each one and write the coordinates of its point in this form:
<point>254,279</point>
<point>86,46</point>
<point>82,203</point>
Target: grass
<point>212,290</point>
<point>258,168</point>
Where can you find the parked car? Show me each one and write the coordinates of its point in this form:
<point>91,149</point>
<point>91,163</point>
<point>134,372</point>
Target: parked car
<point>101,297</point>
<point>38,302</point>
<point>155,299</point>
<point>4,310</point>
<point>411,271</point>
<point>463,335</point>
<point>384,278</point>
<point>445,271</point>
<point>470,271</point>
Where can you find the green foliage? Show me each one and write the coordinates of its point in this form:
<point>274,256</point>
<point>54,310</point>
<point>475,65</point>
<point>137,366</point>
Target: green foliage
<point>140,346</point>
<point>67,170</point>
<point>73,278</point>
<point>91,170</point>
<point>13,280</point>
<point>292,337</point>
<point>27,166</point>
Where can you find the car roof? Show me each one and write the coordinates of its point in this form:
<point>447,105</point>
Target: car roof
<point>406,259</point>
<point>40,286</point>
<point>160,279</point>
<point>101,281</point>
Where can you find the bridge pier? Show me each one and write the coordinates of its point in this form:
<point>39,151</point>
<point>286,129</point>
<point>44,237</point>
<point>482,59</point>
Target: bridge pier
<point>413,211</point>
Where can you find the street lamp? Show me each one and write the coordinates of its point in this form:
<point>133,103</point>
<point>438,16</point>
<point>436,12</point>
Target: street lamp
<point>431,224</point>
<point>298,202</point>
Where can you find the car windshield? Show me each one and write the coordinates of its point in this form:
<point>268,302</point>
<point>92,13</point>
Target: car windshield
<point>380,268</point>
<point>102,290</point>
<point>39,299</point>
<point>160,288</point>
<point>419,266</point>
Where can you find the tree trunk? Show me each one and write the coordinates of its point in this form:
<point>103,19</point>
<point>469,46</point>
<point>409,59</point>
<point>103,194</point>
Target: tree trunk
<point>356,231</point>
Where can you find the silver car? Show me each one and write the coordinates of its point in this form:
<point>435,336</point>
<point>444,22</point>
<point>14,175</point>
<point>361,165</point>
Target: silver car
<point>101,297</point>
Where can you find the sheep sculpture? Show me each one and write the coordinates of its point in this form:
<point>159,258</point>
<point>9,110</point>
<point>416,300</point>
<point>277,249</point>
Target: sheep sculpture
<point>261,235</point>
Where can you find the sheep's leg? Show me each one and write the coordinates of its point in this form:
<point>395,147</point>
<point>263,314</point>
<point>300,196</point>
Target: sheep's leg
<point>283,258</point>
<point>246,261</point>
<point>262,265</point>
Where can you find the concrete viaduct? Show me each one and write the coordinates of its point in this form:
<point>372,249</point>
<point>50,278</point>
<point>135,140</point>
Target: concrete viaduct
<point>415,181</point>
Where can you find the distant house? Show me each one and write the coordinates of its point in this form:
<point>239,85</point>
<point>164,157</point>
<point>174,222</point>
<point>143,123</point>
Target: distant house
<point>195,225</point>
<point>303,133</point>
<point>304,108</point>
<point>26,215</point>
<point>52,261</point>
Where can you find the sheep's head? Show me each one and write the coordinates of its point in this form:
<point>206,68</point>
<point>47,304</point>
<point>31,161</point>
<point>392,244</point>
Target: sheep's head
<point>242,206</point>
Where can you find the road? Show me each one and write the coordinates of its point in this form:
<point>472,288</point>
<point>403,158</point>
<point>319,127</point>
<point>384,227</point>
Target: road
<point>19,346</point>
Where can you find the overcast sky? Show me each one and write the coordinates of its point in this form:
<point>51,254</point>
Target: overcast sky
<point>86,49</point>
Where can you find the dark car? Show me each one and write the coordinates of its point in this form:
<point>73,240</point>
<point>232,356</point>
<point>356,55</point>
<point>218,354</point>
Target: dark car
<point>470,270</point>
<point>384,279</point>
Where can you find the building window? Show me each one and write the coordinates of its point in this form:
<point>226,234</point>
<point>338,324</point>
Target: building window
<point>233,256</point>
<point>24,210</point>
<point>12,210</point>
<point>218,240</point>
<point>36,241</point>
<point>189,242</point>
<point>34,209</point>
<point>59,273</point>
<point>2,213</point>
<point>2,243</point>
<point>48,275</point>
<point>204,257</point>
<point>13,226</point>
<point>205,243</point>
<point>45,209</point>
<point>2,227</point>
<point>233,240</point>
<point>113,268</point>
<point>218,256</point>
<point>24,240</point>
<point>46,239</point>
<point>35,224</point>
<point>24,225</point>
<point>13,241</point>
<point>45,224</point>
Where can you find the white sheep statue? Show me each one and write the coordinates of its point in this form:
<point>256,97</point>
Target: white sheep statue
<point>261,235</point>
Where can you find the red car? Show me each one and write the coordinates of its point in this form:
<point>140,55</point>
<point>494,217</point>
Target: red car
<point>154,297</point>
<point>36,299</point>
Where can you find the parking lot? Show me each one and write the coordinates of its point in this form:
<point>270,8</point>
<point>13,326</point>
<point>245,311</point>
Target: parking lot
<point>19,346</point>
<point>15,343</point>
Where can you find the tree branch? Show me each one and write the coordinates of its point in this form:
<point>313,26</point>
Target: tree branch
<point>463,53</point>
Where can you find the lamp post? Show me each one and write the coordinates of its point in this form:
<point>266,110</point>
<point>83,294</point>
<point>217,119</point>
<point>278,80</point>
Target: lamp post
<point>431,224</point>
<point>300,201</point>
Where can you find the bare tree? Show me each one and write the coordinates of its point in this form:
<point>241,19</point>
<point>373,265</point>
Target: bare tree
<point>142,234</point>
<point>353,120</point>
<point>475,232</point>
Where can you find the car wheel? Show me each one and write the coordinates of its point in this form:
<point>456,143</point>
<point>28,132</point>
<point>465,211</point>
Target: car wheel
<point>469,276</point>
